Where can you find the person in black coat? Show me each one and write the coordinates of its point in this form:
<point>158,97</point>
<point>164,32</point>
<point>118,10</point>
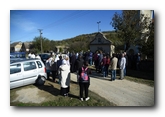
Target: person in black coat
<point>78,64</point>
<point>84,85</point>
<point>72,62</point>
<point>54,70</point>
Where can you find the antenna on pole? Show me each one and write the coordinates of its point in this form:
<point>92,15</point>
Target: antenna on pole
<point>98,25</point>
<point>40,38</point>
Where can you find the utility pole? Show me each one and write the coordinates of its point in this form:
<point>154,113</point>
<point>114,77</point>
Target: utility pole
<point>40,38</point>
<point>98,25</point>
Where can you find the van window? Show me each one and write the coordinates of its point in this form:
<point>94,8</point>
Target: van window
<point>16,68</point>
<point>39,64</point>
<point>29,66</point>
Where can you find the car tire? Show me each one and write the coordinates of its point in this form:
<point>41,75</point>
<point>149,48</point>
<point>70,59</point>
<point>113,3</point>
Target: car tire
<point>40,80</point>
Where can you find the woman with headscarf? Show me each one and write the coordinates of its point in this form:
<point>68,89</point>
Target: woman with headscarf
<point>66,57</point>
<point>65,78</point>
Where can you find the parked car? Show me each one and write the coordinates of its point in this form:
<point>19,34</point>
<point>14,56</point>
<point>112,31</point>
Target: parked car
<point>44,57</point>
<point>17,56</point>
<point>27,71</point>
<point>12,59</point>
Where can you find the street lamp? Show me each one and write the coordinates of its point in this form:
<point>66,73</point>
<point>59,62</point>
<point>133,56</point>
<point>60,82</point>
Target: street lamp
<point>41,38</point>
<point>41,42</point>
<point>98,25</point>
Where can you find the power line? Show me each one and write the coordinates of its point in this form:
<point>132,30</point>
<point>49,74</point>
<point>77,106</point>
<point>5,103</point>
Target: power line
<point>64,18</point>
<point>67,18</point>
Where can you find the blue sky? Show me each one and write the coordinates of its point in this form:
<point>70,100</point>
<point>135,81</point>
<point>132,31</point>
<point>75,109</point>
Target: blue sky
<point>57,24</point>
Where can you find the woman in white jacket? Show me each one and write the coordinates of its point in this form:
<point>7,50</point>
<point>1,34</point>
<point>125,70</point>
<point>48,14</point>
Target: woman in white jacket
<point>64,78</point>
<point>122,66</point>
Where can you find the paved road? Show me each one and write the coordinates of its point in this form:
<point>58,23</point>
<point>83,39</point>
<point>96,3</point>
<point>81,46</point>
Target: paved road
<point>121,92</point>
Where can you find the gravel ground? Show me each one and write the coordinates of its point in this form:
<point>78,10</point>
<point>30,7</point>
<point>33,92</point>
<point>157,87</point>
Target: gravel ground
<point>120,92</point>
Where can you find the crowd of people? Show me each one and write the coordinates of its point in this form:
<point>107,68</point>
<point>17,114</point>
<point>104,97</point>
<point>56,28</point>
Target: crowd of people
<point>106,64</point>
<point>32,55</point>
<point>58,66</point>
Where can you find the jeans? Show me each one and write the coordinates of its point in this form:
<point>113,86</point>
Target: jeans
<point>104,71</point>
<point>113,74</point>
<point>125,71</point>
<point>48,74</point>
<point>107,70</point>
<point>90,61</point>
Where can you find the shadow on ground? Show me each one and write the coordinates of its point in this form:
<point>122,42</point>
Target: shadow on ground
<point>54,88</point>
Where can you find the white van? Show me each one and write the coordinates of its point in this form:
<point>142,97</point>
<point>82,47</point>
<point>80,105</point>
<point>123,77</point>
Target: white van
<point>27,71</point>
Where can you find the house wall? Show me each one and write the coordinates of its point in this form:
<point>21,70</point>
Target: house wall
<point>112,47</point>
<point>64,49</point>
<point>149,14</point>
<point>104,48</point>
<point>100,42</point>
<point>18,47</point>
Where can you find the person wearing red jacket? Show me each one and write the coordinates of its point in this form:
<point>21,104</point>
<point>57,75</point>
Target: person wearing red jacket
<point>107,65</point>
<point>103,65</point>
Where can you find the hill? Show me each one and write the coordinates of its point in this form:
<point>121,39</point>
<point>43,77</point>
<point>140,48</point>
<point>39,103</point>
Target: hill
<point>81,42</point>
<point>76,44</point>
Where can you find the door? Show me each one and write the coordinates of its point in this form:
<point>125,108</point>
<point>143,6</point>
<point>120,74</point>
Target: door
<point>16,75</point>
<point>30,72</point>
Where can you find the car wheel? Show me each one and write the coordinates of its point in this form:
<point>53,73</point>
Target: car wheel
<point>40,80</point>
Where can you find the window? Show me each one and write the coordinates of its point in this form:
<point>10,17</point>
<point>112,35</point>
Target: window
<point>99,39</point>
<point>29,66</point>
<point>39,64</point>
<point>16,68</point>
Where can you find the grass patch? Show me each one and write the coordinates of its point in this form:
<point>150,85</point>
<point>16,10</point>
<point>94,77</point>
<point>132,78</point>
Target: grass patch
<point>142,81</point>
<point>69,102</point>
<point>143,77</point>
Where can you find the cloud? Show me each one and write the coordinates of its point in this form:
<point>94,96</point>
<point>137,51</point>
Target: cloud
<point>18,21</point>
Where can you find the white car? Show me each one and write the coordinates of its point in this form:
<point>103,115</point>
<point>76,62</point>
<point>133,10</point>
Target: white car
<point>27,71</point>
